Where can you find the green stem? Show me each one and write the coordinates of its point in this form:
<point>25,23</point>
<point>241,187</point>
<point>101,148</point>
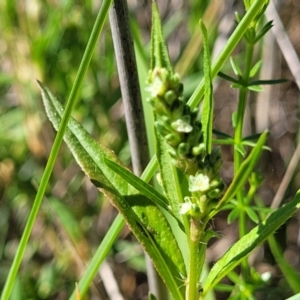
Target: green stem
<point>238,137</point>
<point>196,231</point>
<point>101,17</point>
<point>242,100</point>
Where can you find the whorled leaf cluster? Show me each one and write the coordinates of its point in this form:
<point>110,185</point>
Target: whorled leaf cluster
<point>182,130</point>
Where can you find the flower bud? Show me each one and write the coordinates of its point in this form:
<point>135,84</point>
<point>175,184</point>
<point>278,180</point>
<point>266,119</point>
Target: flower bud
<point>189,208</point>
<point>183,149</point>
<point>175,79</point>
<point>170,97</point>
<point>157,84</point>
<point>199,150</point>
<point>199,183</point>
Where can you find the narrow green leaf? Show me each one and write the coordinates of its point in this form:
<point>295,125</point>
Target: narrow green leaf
<point>222,134</point>
<point>252,215</point>
<point>249,242</point>
<point>227,77</point>
<point>243,172</point>
<point>236,69</point>
<point>144,188</point>
<point>143,217</point>
<point>233,215</point>
<point>234,119</point>
<point>255,88</point>
<point>252,144</point>
<point>236,86</point>
<point>207,112</point>
<point>168,175</point>
<point>266,210</point>
<point>255,69</point>
<point>173,189</point>
<point>224,139</point>
<point>159,51</point>
<point>253,137</point>
<point>263,31</point>
<point>267,82</point>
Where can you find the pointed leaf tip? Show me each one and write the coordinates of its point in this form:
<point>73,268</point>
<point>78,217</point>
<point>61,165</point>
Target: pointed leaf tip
<point>159,50</point>
<point>207,113</point>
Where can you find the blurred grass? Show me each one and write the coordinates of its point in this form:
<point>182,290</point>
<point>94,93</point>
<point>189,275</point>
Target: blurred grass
<point>45,41</point>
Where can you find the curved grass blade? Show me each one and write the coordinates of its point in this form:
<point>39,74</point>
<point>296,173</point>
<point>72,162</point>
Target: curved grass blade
<point>249,242</point>
<point>143,217</point>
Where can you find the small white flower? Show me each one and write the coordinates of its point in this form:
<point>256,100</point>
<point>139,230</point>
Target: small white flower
<point>189,208</point>
<point>199,183</point>
<point>183,124</point>
<point>158,85</point>
<point>156,88</point>
<point>185,208</point>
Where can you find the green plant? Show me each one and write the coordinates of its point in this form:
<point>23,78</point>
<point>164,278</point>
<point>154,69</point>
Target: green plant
<point>189,165</point>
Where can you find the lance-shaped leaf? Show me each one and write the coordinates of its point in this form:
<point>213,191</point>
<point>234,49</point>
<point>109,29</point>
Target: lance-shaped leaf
<point>146,190</point>
<point>207,112</point>
<point>143,217</point>
<point>249,242</point>
<point>169,176</point>
<point>159,51</point>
